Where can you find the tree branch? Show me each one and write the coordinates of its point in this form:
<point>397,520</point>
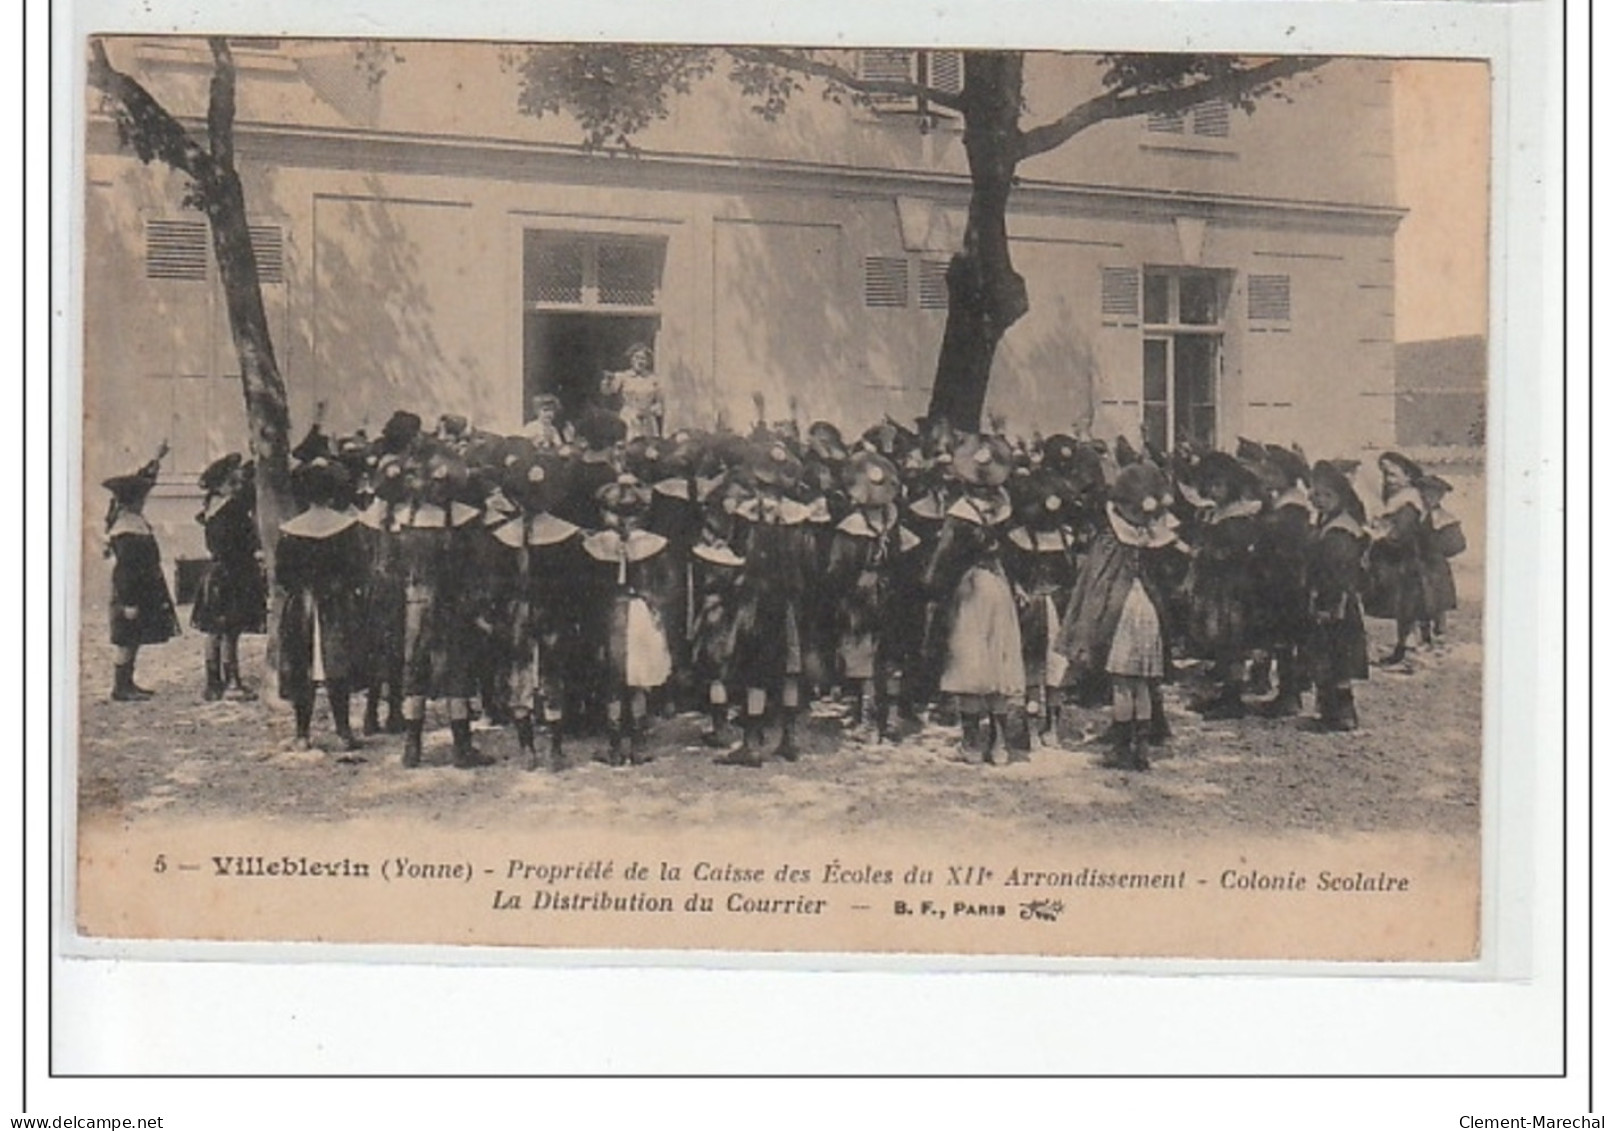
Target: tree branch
<point>1120,104</point>
<point>151,129</point>
<point>221,106</point>
<point>817,68</point>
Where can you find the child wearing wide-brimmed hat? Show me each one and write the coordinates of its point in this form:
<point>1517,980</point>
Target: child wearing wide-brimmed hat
<point>1441,539</point>
<point>1221,590</point>
<point>1337,646</point>
<point>631,577</point>
<point>232,597</point>
<point>320,571</point>
<point>1396,584</point>
<point>977,626</point>
<point>142,612</point>
<point>871,581</point>
<point>1116,621</point>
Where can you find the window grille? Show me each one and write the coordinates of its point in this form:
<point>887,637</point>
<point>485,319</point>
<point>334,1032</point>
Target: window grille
<point>628,274</point>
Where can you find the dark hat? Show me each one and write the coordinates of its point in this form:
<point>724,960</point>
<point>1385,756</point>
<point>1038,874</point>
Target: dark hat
<point>625,496</point>
<point>1221,465</point>
<point>535,484</point>
<point>1125,452</point>
<point>399,432</point>
<point>1250,451</point>
<point>1042,499</point>
<point>453,424</point>
<point>645,457</point>
<point>1327,474</point>
<point>824,440</point>
<point>1291,463</point>
<point>775,464</point>
<point>982,460</point>
<point>1143,488</point>
<point>126,488</point>
<point>322,482</point>
<point>1412,470</point>
<point>214,475</point>
<point>872,480</point>
<point>600,429</point>
<point>1060,453</point>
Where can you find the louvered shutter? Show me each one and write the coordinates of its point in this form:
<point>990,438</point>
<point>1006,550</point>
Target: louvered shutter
<point>176,249</point>
<point>945,71</point>
<point>1269,298</point>
<point>1164,123</point>
<point>269,250</point>
<point>887,65</point>
<point>1118,292</point>
<point>885,281</point>
<point>1211,119</point>
<point>933,284</point>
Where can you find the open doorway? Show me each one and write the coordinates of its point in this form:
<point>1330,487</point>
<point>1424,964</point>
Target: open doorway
<point>587,296</point>
<point>566,354</point>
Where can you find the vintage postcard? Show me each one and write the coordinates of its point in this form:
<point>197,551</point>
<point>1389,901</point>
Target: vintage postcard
<point>861,501</point>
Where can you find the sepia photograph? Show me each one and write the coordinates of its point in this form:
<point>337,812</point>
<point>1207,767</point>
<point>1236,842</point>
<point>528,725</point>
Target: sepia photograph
<point>867,501</point>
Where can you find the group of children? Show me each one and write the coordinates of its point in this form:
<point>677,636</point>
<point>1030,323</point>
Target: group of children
<point>593,580</point>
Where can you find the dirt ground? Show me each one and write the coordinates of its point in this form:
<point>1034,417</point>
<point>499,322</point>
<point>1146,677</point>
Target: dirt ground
<point>1414,765</point>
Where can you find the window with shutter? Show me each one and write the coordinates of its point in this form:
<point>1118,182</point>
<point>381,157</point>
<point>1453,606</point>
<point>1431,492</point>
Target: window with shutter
<point>1118,292</point>
<point>885,282</point>
<point>887,65</point>
<point>1164,123</point>
<point>1269,298</point>
<point>1211,119</point>
<point>269,250</point>
<point>933,284</point>
<point>945,71</point>
<point>176,249</point>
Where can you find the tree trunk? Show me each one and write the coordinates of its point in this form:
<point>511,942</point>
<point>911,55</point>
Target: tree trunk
<point>268,418</point>
<point>985,294</point>
<point>267,415</point>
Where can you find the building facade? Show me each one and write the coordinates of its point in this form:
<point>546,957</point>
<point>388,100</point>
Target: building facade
<point>423,244</point>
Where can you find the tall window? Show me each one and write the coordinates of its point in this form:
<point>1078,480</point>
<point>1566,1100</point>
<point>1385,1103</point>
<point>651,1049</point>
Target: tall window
<point>1183,331</point>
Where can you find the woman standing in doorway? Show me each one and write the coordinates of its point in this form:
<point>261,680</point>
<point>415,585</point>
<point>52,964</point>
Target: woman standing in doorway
<point>640,391</point>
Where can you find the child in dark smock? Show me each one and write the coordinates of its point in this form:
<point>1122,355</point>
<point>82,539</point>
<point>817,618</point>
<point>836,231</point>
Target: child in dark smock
<point>320,569</point>
<point>1041,556</point>
<point>1441,538</point>
<point>232,598</point>
<point>1116,620</point>
<point>1222,579</point>
<point>978,624</point>
<point>1395,573</point>
<point>141,610</point>
<point>632,575</point>
<point>1336,646</point>
<point>537,592</point>
<point>871,584</point>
